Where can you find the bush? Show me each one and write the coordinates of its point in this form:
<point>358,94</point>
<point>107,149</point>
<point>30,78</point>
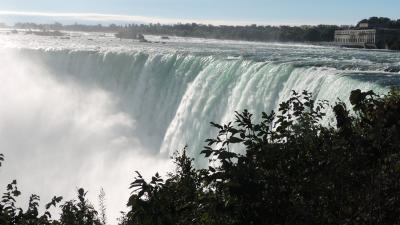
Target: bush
<point>293,169</point>
<point>79,212</point>
<point>10,214</point>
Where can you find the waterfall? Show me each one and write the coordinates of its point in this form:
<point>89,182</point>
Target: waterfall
<point>173,97</point>
<point>91,118</point>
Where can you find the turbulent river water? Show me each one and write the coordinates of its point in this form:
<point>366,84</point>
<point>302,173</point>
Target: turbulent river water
<point>90,110</point>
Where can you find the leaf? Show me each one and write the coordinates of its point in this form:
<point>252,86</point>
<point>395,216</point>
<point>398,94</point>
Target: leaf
<point>81,191</point>
<point>226,155</point>
<point>47,214</point>
<point>58,199</point>
<point>235,140</point>
<point>138,174</point>
<point>206,152</point>
<point>137,183</point>
<point>216,125</point>
<point>140,194</point>
<point>211,169</point>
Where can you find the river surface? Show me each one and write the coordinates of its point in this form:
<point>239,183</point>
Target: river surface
<point>90,109</point>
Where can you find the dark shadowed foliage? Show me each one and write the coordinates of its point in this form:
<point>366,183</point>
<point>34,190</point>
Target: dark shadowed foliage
<point>292,170</point>
<point>79,212</point>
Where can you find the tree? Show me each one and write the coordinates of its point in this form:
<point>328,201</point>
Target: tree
<point>79,212</point>
<point>293,170</point>
<point>287,168</point>
<point>10,214</point>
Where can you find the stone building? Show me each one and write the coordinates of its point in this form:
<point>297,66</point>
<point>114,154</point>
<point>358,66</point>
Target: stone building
<point>365,36</point>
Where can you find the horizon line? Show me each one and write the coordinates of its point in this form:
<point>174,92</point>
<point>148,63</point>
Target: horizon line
<point>121,18</point>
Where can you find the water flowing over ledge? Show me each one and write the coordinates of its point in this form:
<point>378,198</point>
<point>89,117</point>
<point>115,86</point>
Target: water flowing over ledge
<point>172,97</point>
<point>83,116</point>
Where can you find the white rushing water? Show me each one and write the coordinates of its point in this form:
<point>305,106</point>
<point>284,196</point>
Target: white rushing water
<point>90,110</point>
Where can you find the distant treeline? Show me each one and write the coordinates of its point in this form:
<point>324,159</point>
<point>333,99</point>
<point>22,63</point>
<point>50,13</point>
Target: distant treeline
<point>382,22</point>
<point>319,33</point>
<point>248,33</point>
<point>306,33</point>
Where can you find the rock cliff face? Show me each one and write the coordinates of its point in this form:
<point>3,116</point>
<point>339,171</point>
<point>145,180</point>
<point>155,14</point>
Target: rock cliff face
<point>388,39</point>
<point>393,44</point>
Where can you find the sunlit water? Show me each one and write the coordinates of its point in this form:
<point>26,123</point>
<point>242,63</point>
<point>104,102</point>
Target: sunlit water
<point>90,110</point>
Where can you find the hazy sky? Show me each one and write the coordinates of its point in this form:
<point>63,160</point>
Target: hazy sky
<point>212,11</point>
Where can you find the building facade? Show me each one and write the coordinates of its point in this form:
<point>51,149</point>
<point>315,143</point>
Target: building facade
<point>365,37</point>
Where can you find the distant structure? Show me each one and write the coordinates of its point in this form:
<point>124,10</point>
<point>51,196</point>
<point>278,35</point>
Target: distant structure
<point>366,36</point>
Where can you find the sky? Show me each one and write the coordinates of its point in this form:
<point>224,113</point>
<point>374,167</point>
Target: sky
<point>263,12</point>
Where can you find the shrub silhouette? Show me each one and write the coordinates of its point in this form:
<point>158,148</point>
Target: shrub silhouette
<point>79,212</point>
<point>293,170</point>
<point>290,169</point>
<point>10,214</point>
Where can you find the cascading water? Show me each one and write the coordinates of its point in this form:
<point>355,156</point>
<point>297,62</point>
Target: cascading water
<point>77,116</point>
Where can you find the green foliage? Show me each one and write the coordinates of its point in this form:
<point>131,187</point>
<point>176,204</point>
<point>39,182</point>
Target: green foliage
<point>10,214</point>
<point>383,22</point>
<point>293,169</point>
<point>73,213</point>
<point>79,212</point>
<point>318,33</point>
<point>173,201</point>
